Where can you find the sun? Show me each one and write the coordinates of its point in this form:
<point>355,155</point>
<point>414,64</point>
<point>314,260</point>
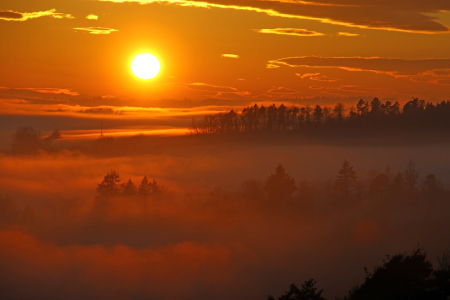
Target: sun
<point>145,66</point>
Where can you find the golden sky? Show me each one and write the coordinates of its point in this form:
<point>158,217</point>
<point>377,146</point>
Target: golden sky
<point>226,49</point>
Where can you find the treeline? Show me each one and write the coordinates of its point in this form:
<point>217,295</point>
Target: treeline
<point>27,140</point>
<point>111,187</point>
<point>347,188</point>
<point>401,276</point>
<point>366,115</point>
<point>280,187</point>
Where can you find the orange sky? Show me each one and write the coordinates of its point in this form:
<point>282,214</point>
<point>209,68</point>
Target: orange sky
<point>237,50</point>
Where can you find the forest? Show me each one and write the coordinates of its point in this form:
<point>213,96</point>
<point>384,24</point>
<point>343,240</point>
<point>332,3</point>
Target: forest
<point>366,117</point>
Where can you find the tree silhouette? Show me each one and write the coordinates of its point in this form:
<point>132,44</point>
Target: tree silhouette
<point>147,188</point>
<point>345,182</point>
<point>129,189</point>
<point>338,111</point>
<point>362,107</point>
<point>400,277</point>
<point>373,117</point>
<point>307,292</point>
<point>318,115</point>
<point>280,185</point>
<point>441,279</point>
<point>376,107</point>
<point>410,176</point>
<point>110,185</point>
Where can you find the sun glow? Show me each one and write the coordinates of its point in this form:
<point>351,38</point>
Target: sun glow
<point>145,66</point>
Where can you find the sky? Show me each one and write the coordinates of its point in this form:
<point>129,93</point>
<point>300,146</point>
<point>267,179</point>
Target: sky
<point>77,53</point>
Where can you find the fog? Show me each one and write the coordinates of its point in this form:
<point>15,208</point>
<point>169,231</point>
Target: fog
<point>207,234</point>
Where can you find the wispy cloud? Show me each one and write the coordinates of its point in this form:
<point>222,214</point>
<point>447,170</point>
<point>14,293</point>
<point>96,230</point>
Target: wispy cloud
<point>430,70</point>
<point>272,66</point>
<point>391,66</point>
<point>18,16</point>
<point>45,90</point>
<point>316,76</point>
<point>348,34</point>
<point>92,17</point>
<point>396,15</point>
<point>96,30</point>
<point>290,31</point>
<point>230,55</point>
<point>283,91</point>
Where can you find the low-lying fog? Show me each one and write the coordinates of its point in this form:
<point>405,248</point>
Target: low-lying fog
<point>212,232</point>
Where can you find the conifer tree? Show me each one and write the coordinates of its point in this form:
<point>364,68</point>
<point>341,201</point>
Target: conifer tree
<point>129,188</point>
<point>280,185</point>
<point>346,181</point>
<point>147,188</point>
<point>110,185</point>
<point>410,175</point>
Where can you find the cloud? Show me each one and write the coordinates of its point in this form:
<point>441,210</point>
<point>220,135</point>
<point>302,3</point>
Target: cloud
<point>43,90</point>
<point>50,91</point>
<point>316,76</point>
<point>283,91</point>
<point>429,70</point>
<point>17,16</point>
<point>290,31</point>
<point>348,34</point>
<point>397,15</point>
<point>97,30</point>
<point>92,17</point>
<point>272,66</point>
<point>230,55</point>
<point>8,15</point>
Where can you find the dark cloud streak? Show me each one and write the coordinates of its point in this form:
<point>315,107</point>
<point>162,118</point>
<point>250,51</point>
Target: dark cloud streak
<point>10,15</point>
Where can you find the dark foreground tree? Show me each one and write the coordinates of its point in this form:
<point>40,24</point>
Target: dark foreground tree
<point>280,185</point>
<point>401,277</point>
<point>441,279</point>
<point>307,292</point>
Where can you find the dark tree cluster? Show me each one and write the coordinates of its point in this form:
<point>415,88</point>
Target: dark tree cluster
<point>400,277</point>
<point>111,187</point>
<point>373,115</point>
<point>347,188</point>
<point>307,292</point>
<point>27,140</point>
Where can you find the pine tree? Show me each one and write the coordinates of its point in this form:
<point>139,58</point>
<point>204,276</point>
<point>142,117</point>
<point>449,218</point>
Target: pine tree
<point>410,175</point>
<point>110,185</point>
<point>143,187</point>
<point>129,188</point>
<point>346,181</point>
<point>147,188</point>
<point>280,185</point>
